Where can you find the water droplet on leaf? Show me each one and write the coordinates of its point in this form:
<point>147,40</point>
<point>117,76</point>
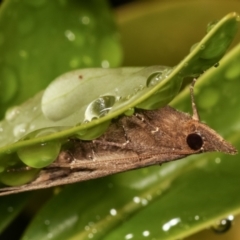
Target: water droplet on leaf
<point>99,107</point>
<point>157,77</point>
<point>222,226</point>
<point>40,155</point>
<point>211,25</point>
<point>129,112</point>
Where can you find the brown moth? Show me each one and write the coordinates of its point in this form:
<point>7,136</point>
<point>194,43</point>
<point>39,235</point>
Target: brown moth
<point>149,137</point>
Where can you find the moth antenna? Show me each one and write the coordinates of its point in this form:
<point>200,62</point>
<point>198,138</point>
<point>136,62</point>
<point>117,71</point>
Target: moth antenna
<point>194,107</point>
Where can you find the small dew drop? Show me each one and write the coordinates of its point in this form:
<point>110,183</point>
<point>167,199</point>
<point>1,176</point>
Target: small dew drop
<point>216,64</point>
<point>19,130</point>
<point>23,54</point>
<point>113,212</point>
<point>196,217</point>
<point>144,202</point>
<point>137,199</point>
<point>105,64</point>
<point>173,222</point>
<point>222,226</point>
<point>90,235</point>
<point>129,236</point>
<point>49,235</point>
<point>47,222</point>
<point>85,20</point>
<point>211,25</point>
<point>129,112</point>
<point>69,35</point>
<point>218,160</point>
<point>146,233</point>
<point>12,113</point>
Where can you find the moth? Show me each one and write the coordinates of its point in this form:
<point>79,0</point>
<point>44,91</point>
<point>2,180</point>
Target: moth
<point>148,137</point>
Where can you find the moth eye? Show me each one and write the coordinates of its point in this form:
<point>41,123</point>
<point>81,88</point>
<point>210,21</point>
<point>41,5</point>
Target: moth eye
<point>194,141</point>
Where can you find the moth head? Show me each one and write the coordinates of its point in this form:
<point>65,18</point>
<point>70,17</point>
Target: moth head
<point>202,138</point>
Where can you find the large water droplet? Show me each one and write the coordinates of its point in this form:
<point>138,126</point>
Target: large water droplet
<point>40,155</point>
<point>223,225</point>
<point>18,177</point>
<point>99,107</point>
<point>157,77</point>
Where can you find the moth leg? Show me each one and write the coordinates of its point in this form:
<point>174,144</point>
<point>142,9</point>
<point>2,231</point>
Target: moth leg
<point>194,108</point>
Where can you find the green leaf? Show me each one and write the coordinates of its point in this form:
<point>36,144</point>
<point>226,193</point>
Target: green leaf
<point>65,102</point>
<point>168,202</point>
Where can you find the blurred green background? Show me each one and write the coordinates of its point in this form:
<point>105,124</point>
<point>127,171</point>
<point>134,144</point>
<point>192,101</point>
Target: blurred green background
<point>150,32</point>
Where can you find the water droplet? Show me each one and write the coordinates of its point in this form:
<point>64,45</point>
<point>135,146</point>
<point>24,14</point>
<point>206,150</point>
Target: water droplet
<point>113,212</point>
<point>99,107</point>
<point>12,113</point>
<point>216,64</point>
<point>194,46</point>
<point>69,35</point>
<point>157,77</point>
<point>208,98</point>
<point>19,130</point>
<point>40,155</point>
<point>218,160</point>
<point>129,112</point>
<point>238,18</point>
<point>137,199</point>
<point>211,25</point>
<point>105,64</point>
<point>23,54</point>
<point>85,20</point>
<point>16,178</point>
<point>8,83</point>
<point>146,233</point>
<point>129,236</point>
<point>75,62</point>
<point>222,226</point>
<point>168,225</point>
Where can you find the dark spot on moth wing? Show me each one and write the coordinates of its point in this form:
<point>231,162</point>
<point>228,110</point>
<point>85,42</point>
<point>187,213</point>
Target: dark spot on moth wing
<point>194,141</point>
<point>80,76</point>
